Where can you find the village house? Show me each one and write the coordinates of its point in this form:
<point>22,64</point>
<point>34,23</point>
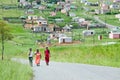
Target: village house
<point>116,0</point>
<point>88,32</point>
<point>114,35</point>
<point>104,8</point>
<point>117,16</point>
<point>71,14</point>
<point>59,20</point>
<point>23,3</point>
<point>65,40</point>
<point>67,6</point>
<point>37,24</point>
<point>67,28</point>
<point>29,11</point>
<point>69,1</point>
<point>32,17</point>
<point>83,1</point>
<point>114,6</point>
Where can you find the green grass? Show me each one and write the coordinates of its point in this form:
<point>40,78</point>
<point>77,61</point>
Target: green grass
<point>110,19</point>
<point>87,52</point>
<point>8,1</point>
<point>98,55</point>
<point>14,71</point>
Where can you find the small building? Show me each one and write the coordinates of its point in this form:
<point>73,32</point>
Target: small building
<point>88,32</point>
<point>69,1</point>
<point>114,35</point>
<point>30,11</point>
<point>116,0</point>
<point>32,17</point>
<point>59,20</point>
<point>39,29</point>
<point>104,8</point>
<point>42,22</point>
<point>65,40</point>
<point>75,19</point>
<point>117,16</point>
<point>63,11</point>
<point>36,29</point>
<point>71,14</point>
<point>114,6</point>
<point>67,28</point>
<point>83,1</point>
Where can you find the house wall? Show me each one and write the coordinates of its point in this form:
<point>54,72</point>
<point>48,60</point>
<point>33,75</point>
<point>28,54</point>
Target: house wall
<point>65,40</point>
<point>114,36</point>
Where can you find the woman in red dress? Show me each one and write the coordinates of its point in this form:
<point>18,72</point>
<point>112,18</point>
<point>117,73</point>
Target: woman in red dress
<point>38,57</point>
<point>47,55</point>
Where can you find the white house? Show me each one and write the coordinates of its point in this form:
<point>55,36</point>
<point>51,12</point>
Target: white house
<point>59,20</point>
<point>117,16</point>
<point>81,20</point>
<point>30,17</point>
<point>83,1</point>
<point>71,14</point>
<point>69,1</point>
<point>114,6</point>
<point>42,22</point>
<point>88,32</point>
<point>65,39</point>
<point>30,11</point>
<point>116,0</point>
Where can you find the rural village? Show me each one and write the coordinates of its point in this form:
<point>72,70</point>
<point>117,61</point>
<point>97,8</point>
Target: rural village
<point>83,37</point>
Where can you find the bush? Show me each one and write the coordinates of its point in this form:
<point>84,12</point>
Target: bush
<point>75,25</point>
<point>61,24</point>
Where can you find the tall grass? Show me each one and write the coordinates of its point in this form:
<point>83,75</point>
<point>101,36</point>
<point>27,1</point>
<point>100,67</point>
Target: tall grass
<point>14,71</point>
<point>99,55</point>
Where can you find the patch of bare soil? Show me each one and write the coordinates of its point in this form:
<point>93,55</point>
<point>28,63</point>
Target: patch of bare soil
<point>42,45</point>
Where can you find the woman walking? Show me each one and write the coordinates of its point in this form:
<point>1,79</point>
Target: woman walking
<point>30,55</point>
<point>47,55</point>
<point>38,57</point>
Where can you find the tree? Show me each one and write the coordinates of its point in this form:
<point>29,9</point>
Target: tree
<point>4,34</point>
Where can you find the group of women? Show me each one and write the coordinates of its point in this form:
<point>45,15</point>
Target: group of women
<point>38,56</point>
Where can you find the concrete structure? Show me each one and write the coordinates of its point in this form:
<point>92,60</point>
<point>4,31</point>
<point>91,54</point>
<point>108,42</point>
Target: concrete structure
<point>88,32</point>
<point>32,17</point>
<point>116,0</point>
<point>83,1</point>
<point>114,35</point>
<point>114,6</point>
<point>65,39</point>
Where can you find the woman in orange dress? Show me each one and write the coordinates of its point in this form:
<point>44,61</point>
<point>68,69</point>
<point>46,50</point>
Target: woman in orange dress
<point>38,57</point>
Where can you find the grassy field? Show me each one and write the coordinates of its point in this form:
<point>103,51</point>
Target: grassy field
<point>90,51</point>
<point>86,52</point>
<point>14,71</point>
<point>97,55</point>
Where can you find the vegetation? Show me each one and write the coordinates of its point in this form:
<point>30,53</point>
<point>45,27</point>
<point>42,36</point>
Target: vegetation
<point>89,51</point>
<point>97,55</point>
<point>14,71</point>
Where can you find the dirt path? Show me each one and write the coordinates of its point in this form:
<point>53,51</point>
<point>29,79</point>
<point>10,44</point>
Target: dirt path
<point>107,25</point>
<point>72,71</point>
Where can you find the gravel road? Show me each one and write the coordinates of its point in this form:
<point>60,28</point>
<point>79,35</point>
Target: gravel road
<point>73,71</point>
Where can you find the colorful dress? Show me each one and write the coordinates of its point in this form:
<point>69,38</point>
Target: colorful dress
<point>47,56</point>
<point>37,59</point>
